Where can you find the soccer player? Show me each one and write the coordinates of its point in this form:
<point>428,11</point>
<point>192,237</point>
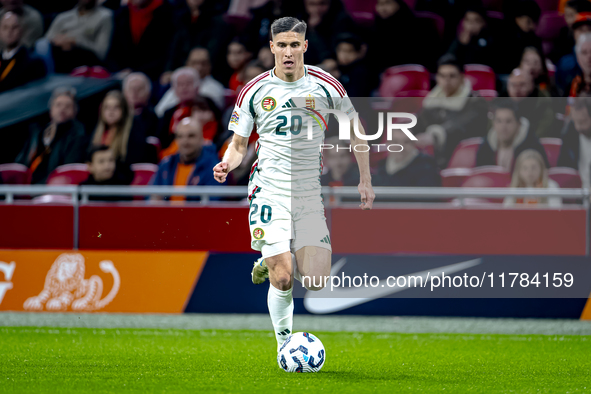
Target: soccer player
<point>286,208</point>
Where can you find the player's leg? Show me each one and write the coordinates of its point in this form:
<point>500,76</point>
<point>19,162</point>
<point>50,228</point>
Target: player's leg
<point>312,243</point>
<point>313,264</point>
<point>279,298</point>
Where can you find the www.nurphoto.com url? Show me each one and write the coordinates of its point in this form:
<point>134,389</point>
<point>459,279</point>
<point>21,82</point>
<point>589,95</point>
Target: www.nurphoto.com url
<point>509,279</point>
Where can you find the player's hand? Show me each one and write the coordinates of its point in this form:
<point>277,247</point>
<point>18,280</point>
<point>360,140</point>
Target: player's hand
<point>367,195</point>
<point>220,172</point>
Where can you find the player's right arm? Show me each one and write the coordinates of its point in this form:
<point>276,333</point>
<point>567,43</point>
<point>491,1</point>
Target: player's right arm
<point>232,158</point>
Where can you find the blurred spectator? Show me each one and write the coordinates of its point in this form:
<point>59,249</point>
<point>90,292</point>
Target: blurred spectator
<point>81,36</point>
<point>238,56</point>
<point>193,163</point>
<point>581,84</point>
<point>141,37</point>
<point>395,19</point>
<point>258,30</point>
<point>266,58</point>
<point>325,20</point>
<point>252,69</point>
<point>185,83</point>
<point>475,43</point>
<point>451,112</point>
<point>63,141</point>
<point>534,63</point>
<point>568,66</point>
<point>341,169</point>
<point>31,20</point>
<point>17,67</point>
<point>565,42</point>
<point>406,166</point>
<point>531,172</point>
<point>353,73</point>
<point>509,136</point>
<point>576,140</point>
<point>533,103</point>
<point>209,86</point>
<point>198,26</point>
<point>518,33</point>
<point>115,130</point>
<point>102,168</point>
<point>137,90</point>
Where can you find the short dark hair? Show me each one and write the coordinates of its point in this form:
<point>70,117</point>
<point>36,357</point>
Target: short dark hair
<point>527,8</point>
<point>506,103</point>
<point>349,39</point>
<point>450,59</point>
<point>94,149</point>
<point>288,23</point>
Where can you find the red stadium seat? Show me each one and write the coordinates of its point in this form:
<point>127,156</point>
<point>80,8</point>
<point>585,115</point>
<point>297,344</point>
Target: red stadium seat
<point>15,174</point>
<point>238,22</point>
<point>566,177</point>
<point>548,5</point>
<point>434,19</point>
<point>143,172</point>
<point>488,94</point>
<point>411,3</point>
<point>552,148</point>
<point>454,177</point>
<point>464,155</point>
<point>368,6</point>
<point>549,28</point>
<point>488,176</point>
<point>68,174</point>
<point>363,18</point>
<point>90,72</point>
<point>406,78</point>
<point>482,77</point>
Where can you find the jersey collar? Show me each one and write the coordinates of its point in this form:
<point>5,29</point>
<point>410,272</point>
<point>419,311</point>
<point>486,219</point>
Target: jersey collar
<point>299,82</point>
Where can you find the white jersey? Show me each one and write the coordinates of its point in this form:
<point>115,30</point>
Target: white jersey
<point>289,162</point>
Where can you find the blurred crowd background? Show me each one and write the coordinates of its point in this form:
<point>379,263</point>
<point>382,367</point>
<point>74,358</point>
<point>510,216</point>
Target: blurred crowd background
<point>499,87</point>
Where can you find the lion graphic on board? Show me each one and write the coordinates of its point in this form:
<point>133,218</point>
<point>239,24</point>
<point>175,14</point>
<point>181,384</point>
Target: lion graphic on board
<point>65,286</point>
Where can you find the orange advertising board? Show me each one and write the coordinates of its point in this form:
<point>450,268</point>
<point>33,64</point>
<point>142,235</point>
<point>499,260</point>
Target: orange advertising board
<point>101,281</point>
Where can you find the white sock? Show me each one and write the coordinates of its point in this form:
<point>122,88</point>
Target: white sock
<point>280,303</point>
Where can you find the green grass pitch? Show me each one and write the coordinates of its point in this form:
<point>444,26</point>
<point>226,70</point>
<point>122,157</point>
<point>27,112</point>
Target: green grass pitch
<point>82,360</point>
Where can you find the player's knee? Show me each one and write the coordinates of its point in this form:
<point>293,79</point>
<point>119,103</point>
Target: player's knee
<point>283,281</point>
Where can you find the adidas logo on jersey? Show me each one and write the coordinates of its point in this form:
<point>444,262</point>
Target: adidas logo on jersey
<point>326,240</point>
<point>284,332</point>
<point>289,104</point>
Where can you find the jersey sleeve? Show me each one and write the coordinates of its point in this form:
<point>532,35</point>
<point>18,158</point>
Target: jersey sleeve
<point>345,105</point>
<point>242,120</point>
<point>342,102</point>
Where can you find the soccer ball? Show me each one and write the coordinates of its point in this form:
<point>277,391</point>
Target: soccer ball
<point>301,352</point>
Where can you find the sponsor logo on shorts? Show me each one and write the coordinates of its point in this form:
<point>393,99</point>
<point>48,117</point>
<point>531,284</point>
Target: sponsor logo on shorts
<point>269,103</point>
<point>258,233</point>
<point>235,118</point>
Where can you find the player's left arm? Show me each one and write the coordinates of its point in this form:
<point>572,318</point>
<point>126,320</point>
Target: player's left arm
<point>365,188</point>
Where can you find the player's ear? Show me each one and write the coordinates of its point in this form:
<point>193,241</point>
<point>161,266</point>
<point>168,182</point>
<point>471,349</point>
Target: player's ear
<point>305,46</point>
<point>272,46</point>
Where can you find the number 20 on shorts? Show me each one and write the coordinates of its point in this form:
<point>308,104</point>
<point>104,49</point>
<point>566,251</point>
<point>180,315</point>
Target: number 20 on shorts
<point>265,216</point>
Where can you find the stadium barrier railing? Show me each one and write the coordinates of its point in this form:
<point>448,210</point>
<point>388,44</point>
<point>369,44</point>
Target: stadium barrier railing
<point>337,196</point>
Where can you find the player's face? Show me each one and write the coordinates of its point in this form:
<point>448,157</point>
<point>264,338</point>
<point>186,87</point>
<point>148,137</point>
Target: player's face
<point>289,49</point>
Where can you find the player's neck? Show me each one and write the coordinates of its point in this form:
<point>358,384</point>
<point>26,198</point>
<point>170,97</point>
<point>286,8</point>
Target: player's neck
<point>299,73</point>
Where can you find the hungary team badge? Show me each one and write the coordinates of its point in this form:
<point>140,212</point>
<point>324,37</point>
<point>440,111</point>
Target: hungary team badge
<point>269,103</point>
<point>258,233</point>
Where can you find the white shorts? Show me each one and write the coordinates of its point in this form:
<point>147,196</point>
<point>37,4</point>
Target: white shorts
<point>275,218</point>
